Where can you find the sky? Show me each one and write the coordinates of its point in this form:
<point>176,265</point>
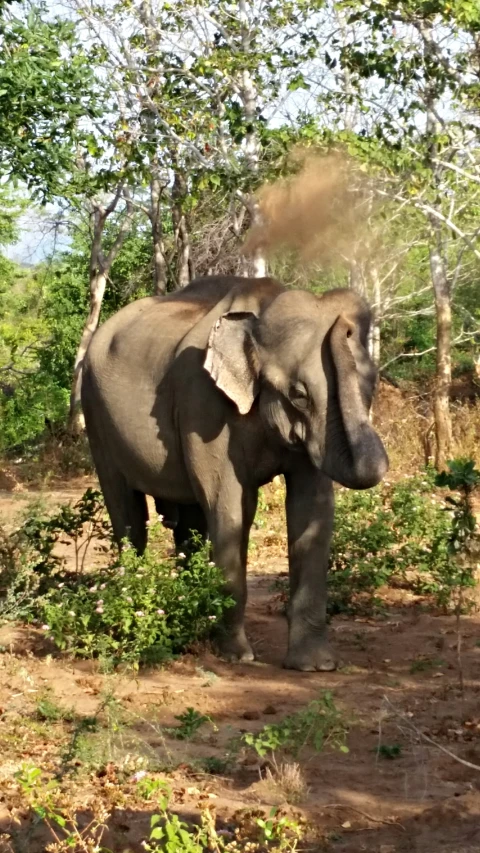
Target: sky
<point>37,240</point>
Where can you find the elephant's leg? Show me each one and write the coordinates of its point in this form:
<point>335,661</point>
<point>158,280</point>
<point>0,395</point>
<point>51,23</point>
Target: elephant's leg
<point>168,512</point>
<point>310,507</point>
<point>126,507</point>
<point>191,518</point>
<point>229,523</point>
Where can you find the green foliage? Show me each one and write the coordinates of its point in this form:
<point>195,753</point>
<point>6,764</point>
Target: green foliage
<point>274,832</point>
<point>48,803</point>
<point>318,725</point>
<point>275,829</point>
<point>47,86</point>
<point>29,565</point>
<point>453,577</point>
<point>28,355</point>
<point>425,664</point>
<point>137,609</point>
<point>408,534</point>
<point>214,765</point>
<point>141,609</point>
<point>247,831</point>
<point>390,533</point>
<point>49,710</point>
<point>190,722</point>
<point>42,314</point>
<point>389,751</point>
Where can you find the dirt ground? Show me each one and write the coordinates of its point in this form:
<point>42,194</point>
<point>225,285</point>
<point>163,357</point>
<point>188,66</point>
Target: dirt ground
<point>397,677</point>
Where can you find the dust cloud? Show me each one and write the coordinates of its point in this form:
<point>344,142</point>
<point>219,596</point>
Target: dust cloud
<point>319,213</point>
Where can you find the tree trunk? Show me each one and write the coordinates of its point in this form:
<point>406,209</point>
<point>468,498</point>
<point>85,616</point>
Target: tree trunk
<point>374,338</point>
<point>155,216</point>
<point>258,262</point>
<point>249,98</point>
<point>355,277</point>
<point>100,267</point>
<point>184,266</point>
<point>98,284</point>
<point>441,400</point>
<point>438,271</point>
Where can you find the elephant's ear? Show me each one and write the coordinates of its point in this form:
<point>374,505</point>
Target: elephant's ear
<point>232,359</point>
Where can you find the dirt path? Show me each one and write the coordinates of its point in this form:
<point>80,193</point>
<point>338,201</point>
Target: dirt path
<point>421,800</point>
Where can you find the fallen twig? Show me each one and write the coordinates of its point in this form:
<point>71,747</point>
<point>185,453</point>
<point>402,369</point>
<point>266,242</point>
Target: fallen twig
<point>387,822</point>
<point>429,740</point>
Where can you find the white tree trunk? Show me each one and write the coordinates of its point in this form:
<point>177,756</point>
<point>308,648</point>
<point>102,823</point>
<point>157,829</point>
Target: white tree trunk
<point>443,379</point>
<point>100,266</point>
<point>184,268</point>
<point>439,275</point>
<point>155,216</point>
<point>258,261</point>
<point>97,291</point>
<point>374,338</point>
<point>249,98</point>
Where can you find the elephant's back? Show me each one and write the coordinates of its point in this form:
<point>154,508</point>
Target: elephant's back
<point>141,334</point>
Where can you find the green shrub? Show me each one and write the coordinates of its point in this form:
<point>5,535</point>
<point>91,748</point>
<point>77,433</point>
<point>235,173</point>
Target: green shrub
<point>248,831</point>
<point>190,722</point>
<point>318,725</point>
<point>136,609</point>
<point>451,579</point>
<point>140,609</point>
<point>29,565</point>
<point>391,534</point>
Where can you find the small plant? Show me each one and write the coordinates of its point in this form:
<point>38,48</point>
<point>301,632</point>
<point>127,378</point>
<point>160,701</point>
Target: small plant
<point>46,800</point>
<point>48,709</point>
<point>213,765</point>
<point>457,575</point>
<point>426,664</point>
<point>137,610</point>
<point>273,830</point>
<point>190,722</point>
<point>389,751</point>
<point>287,780</point>
<point>150,788</point>
<point>29,566</point>
<point>319,725</point>
<point>251,831</point>
<point>262,509</point>
<point>247,831</point>
<point>394,533</point>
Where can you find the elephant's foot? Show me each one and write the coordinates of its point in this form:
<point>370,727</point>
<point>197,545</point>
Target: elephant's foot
<point>312,655</point>
<point>234,646</point>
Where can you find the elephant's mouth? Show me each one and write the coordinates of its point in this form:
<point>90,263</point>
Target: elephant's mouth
<point>298,435</point>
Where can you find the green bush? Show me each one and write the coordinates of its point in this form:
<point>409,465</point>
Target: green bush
<point>451,579</point>
<point>391,534</point>
<point>29,565</point>
<point>140,609</point>
<point>318,725</point>
<point>136,609</point>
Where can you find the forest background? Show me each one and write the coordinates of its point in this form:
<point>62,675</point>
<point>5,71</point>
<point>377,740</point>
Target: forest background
<point>149,138</point>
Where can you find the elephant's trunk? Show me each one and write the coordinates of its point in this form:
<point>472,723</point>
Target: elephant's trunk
<point>361,461</point>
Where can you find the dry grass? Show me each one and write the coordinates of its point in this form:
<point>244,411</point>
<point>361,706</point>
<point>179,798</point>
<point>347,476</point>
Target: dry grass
<point>466,429</point>
<point>405,422</point>
<point>286,782</point>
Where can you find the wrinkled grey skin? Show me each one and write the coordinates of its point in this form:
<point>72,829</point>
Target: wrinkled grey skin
<point>200,397</point>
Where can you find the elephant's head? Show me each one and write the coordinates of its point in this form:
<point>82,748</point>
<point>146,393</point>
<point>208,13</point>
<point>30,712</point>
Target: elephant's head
<point>305,359</point>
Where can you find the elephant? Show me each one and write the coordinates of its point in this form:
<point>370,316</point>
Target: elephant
<point>199,397</point>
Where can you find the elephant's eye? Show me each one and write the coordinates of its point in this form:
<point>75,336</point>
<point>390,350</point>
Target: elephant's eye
<point>298,395</point>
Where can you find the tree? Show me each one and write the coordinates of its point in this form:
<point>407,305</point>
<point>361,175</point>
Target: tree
<point>47,94</point>
<point>100,265</point>
<point>420,57</point>
<point>201,81</point>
